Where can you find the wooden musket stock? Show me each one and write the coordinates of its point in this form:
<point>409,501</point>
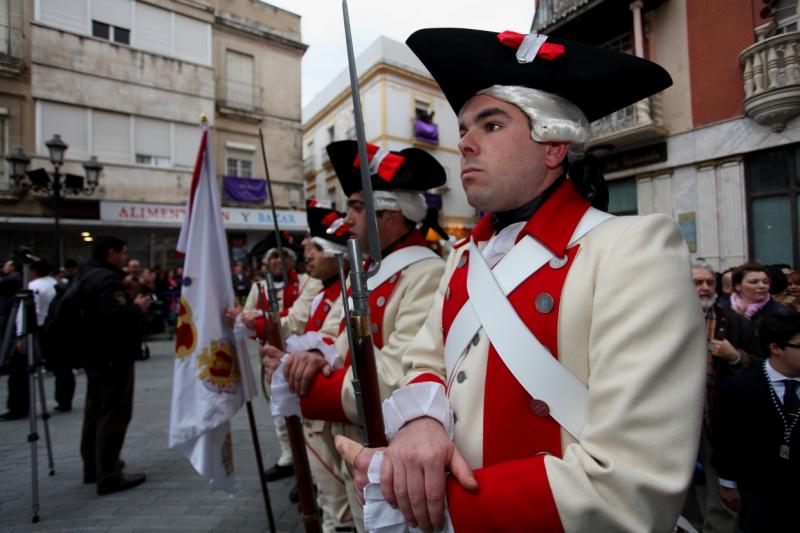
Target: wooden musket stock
<point>294,427</point>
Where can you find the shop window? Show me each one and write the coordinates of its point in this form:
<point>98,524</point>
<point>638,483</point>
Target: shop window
<point>773,198</point>
<point>622,197</point>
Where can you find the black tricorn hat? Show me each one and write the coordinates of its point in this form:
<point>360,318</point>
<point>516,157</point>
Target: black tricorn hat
<point>597,80</point>
<point>410,169</point>
<point>326,223</point>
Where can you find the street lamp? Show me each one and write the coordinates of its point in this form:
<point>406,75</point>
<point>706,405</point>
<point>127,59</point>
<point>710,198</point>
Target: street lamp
<point>41,181</point>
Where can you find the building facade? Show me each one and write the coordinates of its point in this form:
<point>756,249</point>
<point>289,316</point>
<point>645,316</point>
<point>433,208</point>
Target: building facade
<point>402,107</point>
<point>719,150</point>
<point>126,81</point>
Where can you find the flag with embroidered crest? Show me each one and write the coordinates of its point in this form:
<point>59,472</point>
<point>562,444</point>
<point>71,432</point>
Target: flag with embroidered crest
<point>212,377</point>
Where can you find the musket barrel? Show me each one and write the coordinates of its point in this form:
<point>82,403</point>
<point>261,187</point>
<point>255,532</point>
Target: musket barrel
<point>365,371</point>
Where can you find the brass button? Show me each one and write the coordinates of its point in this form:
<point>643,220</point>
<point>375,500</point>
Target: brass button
<point>393,279</point>
<point>375,328</point>
<point>381,301</point>
<point>326,308</point>
<point>447,294</point>
<point>462,261</point>
<point>544,303</point>
<point>539,408</point>
<point>461,376</point>
<point>318,322</point>
<point>558,262</point>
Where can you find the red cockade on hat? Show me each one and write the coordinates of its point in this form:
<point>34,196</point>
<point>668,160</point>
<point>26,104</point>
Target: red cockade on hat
<point>548,51</point>
<point>381,162</point>
<point>334,223</point>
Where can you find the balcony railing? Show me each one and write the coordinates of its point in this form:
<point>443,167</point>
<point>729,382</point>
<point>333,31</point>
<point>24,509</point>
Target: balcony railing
<point>772,79</point>
<point>644,114</point>
<point>241,95</point>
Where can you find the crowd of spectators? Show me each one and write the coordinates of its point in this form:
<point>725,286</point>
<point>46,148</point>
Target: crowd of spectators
<point>741,307</point>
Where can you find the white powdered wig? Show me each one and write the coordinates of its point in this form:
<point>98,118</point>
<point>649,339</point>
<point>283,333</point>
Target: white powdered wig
<point>552,117</point>
<point>329,248</point>
<point>411,204</point>
<point>274,251</point>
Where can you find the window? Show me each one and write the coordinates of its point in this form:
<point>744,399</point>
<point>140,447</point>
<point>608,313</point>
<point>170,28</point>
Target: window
<point>332,196</point>
<point>153,29</point>
<point>240,71</point>
<point>152,142</point>
<point>111,33</point>
<point>71,122</point>
<point>111,136</point>
<point>773,195</point>
<point>787,15</point>
<point>186,140</point>
<point>239,164</point>
<point>153,160</point>
<point>622,197</point>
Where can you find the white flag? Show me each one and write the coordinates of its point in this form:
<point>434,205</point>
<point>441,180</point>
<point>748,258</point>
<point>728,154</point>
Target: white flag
<point>208,386</point>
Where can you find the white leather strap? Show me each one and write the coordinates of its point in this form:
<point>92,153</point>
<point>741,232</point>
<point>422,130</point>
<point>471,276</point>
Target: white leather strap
<point>397,261</point>
<point>531,363</point>
<point>528,256</point>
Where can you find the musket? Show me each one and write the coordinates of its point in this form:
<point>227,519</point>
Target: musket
<point>294,427</point>
<point>359,326</point>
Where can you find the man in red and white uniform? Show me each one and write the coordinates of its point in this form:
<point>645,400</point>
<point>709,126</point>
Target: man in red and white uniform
<point>547,380</point>
<point>401,291</point>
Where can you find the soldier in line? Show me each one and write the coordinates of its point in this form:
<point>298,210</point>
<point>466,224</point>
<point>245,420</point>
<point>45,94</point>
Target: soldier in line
<point>402,290</point>
<point>547,380</point>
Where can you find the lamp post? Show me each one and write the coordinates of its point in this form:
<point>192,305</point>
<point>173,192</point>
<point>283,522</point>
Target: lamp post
<point>41,181</point>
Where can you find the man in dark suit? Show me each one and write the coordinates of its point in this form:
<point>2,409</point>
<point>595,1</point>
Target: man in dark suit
<point>756,440</point>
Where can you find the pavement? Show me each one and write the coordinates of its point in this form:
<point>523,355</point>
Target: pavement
<point>174,497</point>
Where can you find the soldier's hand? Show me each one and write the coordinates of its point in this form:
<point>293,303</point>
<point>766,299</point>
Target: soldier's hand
<point>414,469</point>
<point>357,459</point>
<point>231,313</point>
<point>302,367</point>
<point>270,358</point>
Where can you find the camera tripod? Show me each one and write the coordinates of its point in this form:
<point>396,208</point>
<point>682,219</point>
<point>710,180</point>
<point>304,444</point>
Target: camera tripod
<point>29,332</point>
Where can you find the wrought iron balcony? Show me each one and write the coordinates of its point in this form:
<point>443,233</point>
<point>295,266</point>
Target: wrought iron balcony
<point>240,96</point>
<point>772,79</point>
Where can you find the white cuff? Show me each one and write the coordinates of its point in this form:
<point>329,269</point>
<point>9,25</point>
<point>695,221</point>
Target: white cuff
<point>415,401</point>
<point>284,401</point>
<point>379,516</point>
<point>312,341</point>
<point>727,483</point>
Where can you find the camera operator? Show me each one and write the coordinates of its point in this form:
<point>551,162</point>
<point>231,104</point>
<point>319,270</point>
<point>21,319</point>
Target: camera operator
<point>43,285</point>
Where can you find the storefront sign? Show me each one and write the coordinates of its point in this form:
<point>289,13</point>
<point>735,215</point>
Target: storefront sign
<point>129,213</point>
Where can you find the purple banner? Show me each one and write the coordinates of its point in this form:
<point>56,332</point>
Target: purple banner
<point>426,132</point>
<point>244,189</point>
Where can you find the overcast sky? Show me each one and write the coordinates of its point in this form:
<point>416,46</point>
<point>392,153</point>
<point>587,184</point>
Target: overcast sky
<point>323,29</point>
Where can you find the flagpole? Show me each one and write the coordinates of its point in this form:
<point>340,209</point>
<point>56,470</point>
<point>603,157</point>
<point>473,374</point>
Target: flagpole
<point>260,464</point>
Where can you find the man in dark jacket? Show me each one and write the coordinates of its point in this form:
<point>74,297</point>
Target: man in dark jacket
<point>110,351</point>
<point>17,402</point>
<point>732,347</point>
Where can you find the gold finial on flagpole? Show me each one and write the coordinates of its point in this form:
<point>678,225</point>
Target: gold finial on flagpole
<point>203,119</point>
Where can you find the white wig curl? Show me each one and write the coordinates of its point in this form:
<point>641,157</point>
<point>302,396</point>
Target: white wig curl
<point>552,117</point>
